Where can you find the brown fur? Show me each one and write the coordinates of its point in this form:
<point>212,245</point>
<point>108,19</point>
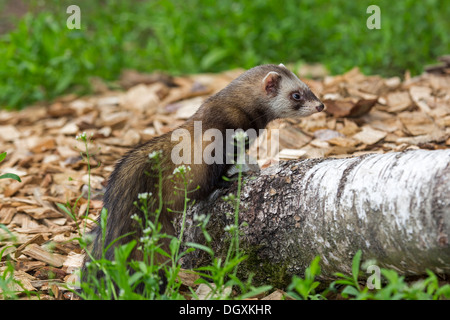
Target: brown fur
<point>246,103</point>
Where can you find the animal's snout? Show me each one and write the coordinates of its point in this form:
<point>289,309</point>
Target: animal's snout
<point>320,107</point>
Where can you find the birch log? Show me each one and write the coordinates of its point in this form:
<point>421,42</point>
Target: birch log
<point>395,207</point>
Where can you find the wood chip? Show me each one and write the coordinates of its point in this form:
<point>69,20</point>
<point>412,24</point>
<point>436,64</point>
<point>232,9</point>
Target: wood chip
<point>47,144</point>
<point>278,295</point>
<point>6,215</point>
<point>9,133</point>
<point>288,154</point>
<point>421,97</point>
<point>186,108</point>
<point>398,101</point>
<point>73,262</point>
<point>369,136</point>
<point>37,239</point>
<point>417,123</point>
<point>188,278</point>
<point>343,142</point>
<point>25,281</point>
<point>142,98</point>
<point>16,185</point>
<point>35,251</point>
<point>204,291</point>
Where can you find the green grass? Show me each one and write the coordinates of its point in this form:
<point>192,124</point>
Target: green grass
<point>42,59</point>
<point>354,287</point>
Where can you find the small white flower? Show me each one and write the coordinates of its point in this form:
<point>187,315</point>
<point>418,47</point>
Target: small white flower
<point>144,196</point>
<point>81,136</point>
<point>181,169</point>
<point>155,154</point>
<point>230,228</point>
<point>146,240</point>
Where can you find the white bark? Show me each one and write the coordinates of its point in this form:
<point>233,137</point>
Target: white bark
<point>395,207</point>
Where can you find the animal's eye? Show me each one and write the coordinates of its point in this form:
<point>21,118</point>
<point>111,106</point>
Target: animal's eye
<point>296,96</point>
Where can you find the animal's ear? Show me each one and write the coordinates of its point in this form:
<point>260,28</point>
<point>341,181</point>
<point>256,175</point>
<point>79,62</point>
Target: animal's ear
<point>271,83</point>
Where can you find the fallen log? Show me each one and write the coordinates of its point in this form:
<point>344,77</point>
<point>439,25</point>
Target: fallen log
<point>395,207</point>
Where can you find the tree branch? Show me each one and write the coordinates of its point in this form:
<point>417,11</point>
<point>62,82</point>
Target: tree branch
<point>395,207</point>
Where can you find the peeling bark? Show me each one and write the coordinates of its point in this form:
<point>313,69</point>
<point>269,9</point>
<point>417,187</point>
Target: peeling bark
<point>395,207</point>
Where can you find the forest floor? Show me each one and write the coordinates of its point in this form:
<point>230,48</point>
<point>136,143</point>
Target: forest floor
<point>364,114</point>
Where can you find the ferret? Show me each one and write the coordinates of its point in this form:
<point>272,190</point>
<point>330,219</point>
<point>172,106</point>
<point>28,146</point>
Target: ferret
<point>258,96</point>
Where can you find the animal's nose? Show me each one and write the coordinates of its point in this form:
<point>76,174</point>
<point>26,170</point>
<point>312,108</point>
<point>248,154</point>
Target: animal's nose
<point>320,107</point>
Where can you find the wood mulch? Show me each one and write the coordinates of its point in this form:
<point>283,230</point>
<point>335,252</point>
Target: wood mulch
<point>365,114</point>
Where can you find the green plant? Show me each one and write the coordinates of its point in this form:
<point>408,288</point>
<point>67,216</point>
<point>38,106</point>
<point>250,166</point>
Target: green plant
<point>119,283</point>
<point>222,273</point>
<point>8,284</point>
<point>45,59</point>
<point>70,210</point>
<point>8,175</point>
<point>181,174</point>
<point>396,288</point>
<point>305,288</point>
<point>351,282</point>
<point>10,287</point>
<point>349,286</point>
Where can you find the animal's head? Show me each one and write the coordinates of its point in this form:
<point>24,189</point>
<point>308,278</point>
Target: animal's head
<point>288,96</point>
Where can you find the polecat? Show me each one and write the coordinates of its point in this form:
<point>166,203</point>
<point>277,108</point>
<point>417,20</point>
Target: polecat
<point>251,101</point>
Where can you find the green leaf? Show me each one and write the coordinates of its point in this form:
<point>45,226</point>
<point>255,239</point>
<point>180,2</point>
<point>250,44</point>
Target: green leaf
<point>118,238</point>
<point>255,292</point>
<point>314,268</point>
<point>349,290</point>
<point>355,265</point>
<point>10,176</point>
<point>343,276</point>
<point>188,250</point>
<point>173,245</point>
<point>134,278</point>
<point>2,156</point>
<point>345,281</point>
<point>11,235</point>
<point>66,210</point>
<point>121,253</point>
<point>201,247</point>
<point>162,252</point>
<point>3,251</point>
<point>444,291</point>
